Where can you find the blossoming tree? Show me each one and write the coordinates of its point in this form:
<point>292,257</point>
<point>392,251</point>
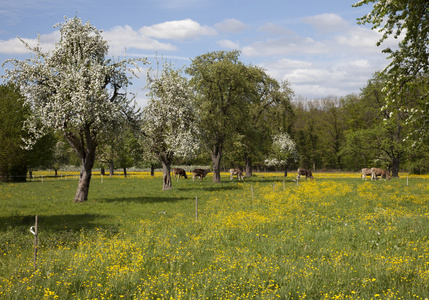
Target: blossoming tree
<point>283,149</point>
<point>169,119</point>
<point>74,89</point>
<point>407,21</point>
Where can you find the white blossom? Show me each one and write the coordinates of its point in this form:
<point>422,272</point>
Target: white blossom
<point>74,85</point>
<point>169,117</point>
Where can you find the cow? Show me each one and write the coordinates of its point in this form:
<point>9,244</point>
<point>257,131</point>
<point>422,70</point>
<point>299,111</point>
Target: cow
<point>366,172</point>
<point>375,172</point>
<point>237,172</point>
<point>179,172</point>
<point>305,172</point>
<point>201,173</point>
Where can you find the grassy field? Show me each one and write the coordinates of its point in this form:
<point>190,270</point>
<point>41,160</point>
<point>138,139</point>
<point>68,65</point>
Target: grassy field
<point>336,237</point>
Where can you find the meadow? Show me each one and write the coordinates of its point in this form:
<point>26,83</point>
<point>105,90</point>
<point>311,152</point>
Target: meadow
<point>335,237</point>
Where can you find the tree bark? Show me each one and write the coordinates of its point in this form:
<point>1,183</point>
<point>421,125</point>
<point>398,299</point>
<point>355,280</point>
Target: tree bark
<point>166,177</point>
<point>396,161</point>
<point>85,177</point>
<point>249,169</point>
<point>166,159</point>
<point>84,145</point>
<point>216,158</point>
<point>111,168</point>
<point>285,171</point>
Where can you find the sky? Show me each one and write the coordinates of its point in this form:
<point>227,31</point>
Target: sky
<point>317,46</point>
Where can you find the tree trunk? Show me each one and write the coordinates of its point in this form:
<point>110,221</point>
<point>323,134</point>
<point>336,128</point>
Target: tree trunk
<point>84,146</point>
<point>249,169</point>
<point>152,170</point>
<point>166,177</point>
<point>216,158</point>
<point>125,172</point>
<point>285,171</point>
<point>111,168</point>
<point>395,166</point>
<point>85,177</point>
<point>56,172</point>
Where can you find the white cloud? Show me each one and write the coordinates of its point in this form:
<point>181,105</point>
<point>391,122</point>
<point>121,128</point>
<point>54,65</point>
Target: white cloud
<point>121,37</point>
<point>177,30</point>
<point>285,46</point>
<point>227,44</point>
<point>275,29</point>
<point>327,22</point>
<point>15,46</point>
<point>231,26</point>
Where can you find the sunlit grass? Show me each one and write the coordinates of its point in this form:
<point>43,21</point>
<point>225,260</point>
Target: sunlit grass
<point>335,237</point>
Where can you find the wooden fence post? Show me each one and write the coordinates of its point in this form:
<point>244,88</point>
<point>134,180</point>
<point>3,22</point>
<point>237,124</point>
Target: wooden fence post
<point>196,208</point>
<point>34,230</point>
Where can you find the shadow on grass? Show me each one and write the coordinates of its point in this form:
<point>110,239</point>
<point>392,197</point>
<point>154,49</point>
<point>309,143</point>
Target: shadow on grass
<point>52,223</point>
<point>142,200</point>
<point>273,179</point>
<point>210,188</point>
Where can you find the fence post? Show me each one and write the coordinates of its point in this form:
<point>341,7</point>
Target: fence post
<point>196,208</point>
<point>34,230</point>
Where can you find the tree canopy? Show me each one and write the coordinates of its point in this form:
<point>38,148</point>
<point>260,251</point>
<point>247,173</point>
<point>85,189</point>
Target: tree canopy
<point>408,21</point>
<point>169,119</point>
<point>74,89</point>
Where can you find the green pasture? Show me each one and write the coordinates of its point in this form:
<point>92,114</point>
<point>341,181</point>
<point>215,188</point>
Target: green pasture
<point>336,237</point>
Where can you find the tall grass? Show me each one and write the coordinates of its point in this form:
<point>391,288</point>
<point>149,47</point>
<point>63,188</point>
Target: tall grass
<point>336,237</point>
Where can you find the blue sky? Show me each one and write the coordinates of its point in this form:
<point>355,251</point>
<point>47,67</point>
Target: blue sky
<point>316,45</point>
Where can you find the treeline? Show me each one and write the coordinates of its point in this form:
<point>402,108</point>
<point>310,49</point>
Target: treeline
<point>332,133</point>
<point>358,130</point>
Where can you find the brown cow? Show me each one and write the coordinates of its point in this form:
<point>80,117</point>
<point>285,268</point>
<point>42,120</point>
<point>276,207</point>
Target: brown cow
<point>237,172</point>
<point>375,172</point>
<point>366,172</point>
<point>305,172</point>
<point>199,173</point>
<point>179,172</point>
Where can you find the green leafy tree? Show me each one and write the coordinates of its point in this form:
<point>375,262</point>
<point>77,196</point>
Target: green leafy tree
<point>13,113</point>
<point>408,21</point>
<point>333,123</point>
<point>382,139</point>
<point>15,160</point>
<point>74,89</point>
<point>224,88</point>
<point>269,111</point>
<point>307,133</point>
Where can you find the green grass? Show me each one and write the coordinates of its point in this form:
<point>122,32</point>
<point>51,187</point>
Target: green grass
<point>333,238</point>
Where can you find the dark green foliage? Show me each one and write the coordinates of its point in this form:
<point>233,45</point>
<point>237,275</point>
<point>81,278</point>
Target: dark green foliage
<point>13,112</point>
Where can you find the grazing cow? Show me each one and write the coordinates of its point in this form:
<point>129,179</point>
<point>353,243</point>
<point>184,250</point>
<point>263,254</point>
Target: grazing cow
<point>201,173</point>
<point>366,172</point>
<point>375,172</point>
<point>237,172</point>
<point>305,172</point>
<point>179,172</point>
